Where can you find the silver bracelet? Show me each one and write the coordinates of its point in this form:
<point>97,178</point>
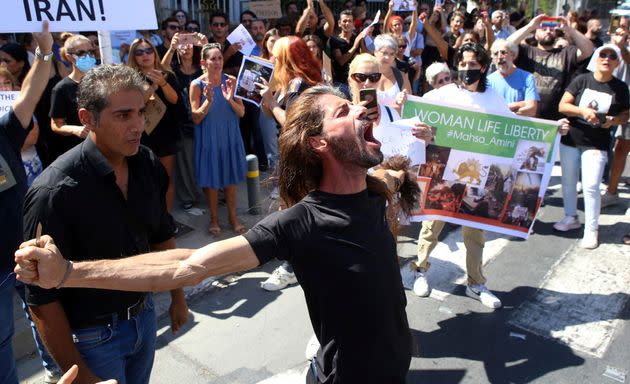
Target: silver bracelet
<point>65,275</point>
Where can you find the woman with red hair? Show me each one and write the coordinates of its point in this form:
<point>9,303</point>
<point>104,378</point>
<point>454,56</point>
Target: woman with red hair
<point>296,69</point>
<point>394,25</point>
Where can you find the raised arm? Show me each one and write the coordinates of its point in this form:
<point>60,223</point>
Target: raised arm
<point>435,35</point>
<point>329,27</point>
<point>414,23</point>
<point>520,34</point>
<point>303,20</point>
<point>583,44</point>
<point>157,271</point>
<point>388,15</point>
<point>36,79</point>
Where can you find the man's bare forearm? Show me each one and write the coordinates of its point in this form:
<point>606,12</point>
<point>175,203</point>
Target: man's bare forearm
<point>166,270</point>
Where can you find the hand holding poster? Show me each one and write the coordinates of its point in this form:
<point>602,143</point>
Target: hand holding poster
<point>486,171</point>
<point>77,15</point>
<point>253,70</point>
<point>241,36</point>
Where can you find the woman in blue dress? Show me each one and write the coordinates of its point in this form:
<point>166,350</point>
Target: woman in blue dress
<point>219,150</point>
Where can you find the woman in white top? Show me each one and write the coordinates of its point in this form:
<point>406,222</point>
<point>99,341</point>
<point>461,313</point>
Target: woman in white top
<point>393,86</point>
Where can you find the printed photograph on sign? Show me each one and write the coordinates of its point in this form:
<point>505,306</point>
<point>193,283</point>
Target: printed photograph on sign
<point>445,196</point>
<point>435,164</point>
<point>423,184</point>
<point>465,167</point>
<point>489,199</point>
<point>253,71</point>
<point>523,201</point>
<point>531,156</point>
<point>404,5</point>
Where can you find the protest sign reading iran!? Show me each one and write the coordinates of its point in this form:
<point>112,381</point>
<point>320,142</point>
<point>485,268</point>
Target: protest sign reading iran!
<point>77,15</point>
<point>487,171</point>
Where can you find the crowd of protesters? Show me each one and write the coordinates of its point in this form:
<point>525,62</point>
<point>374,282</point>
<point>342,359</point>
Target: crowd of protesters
<point>479,56</point>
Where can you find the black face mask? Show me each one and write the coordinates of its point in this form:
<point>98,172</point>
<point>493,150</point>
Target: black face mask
<point>469,76</point>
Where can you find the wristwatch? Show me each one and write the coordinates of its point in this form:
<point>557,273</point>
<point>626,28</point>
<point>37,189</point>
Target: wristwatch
<point>42,56</point>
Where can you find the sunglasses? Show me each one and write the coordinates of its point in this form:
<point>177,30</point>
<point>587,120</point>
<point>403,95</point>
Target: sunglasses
<point>219,24</point>
<point>443,80</point>
<point>611,55</point>
<point>361,77</point>
<point>174,27</point>
<point>140,52</point>
<point>90,52</point>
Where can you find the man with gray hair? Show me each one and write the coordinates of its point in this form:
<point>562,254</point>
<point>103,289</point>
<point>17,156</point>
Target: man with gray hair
<point>518,87</point>
<point>103,199</point>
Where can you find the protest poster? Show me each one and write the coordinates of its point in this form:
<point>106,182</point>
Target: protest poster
<point>487,171</point>
<point>253,70</point>
<point>266,9</point>
<point>6,101</point>
<point>396,139</point>
<point>241,36</point>
<point>404,5</point>
<point>77,15</point>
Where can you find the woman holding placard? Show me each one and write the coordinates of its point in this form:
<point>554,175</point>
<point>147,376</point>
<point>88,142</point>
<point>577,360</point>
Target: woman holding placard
<point>219,149</point>
<point>164,110</point>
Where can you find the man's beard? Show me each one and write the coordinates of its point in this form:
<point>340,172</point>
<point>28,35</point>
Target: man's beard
<point>347,151</point>
<point>547,41</point>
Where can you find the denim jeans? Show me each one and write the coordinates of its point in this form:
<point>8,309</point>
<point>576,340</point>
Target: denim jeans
<point>593,162</point>
<point>269,131</point>
<point>123,350</point>
<point>8,374</point>
<point>47,360</point>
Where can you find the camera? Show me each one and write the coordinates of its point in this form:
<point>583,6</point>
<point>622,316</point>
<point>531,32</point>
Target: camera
<point>411,61</point>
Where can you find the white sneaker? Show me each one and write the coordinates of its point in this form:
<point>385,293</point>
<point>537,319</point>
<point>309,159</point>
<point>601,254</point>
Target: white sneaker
<point>589,241</point>
<point>421,285</point>
<point>578,187</point>
<point>609,199</point>
<point>567,224</point>
<point>482,293</point>
<point>279,279</point>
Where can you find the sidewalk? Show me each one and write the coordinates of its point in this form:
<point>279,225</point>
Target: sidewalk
<point>193,233</point>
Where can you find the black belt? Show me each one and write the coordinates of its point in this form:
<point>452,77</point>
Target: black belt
<point>127,313</point>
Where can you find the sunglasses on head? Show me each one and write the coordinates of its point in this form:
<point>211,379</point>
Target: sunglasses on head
<point>145,51</point>
<point>361,77</point>
<point>82,53</point>
<point>606,55</point>
<point>219,24</point>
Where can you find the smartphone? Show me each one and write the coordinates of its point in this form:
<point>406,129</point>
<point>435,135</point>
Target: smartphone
<point>551,22</point>
<point>188,39</point>
<point>369,95</point>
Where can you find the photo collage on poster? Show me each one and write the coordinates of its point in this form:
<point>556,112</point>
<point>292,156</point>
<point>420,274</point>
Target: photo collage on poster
<point>488,187</point>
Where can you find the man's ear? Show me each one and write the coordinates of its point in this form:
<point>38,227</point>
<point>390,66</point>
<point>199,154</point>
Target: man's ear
<point>318,144</point>
<point>87,118</point>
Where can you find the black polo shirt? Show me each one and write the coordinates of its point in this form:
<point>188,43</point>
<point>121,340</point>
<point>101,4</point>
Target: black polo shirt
<point>12,188</point>
<point>80,205</point>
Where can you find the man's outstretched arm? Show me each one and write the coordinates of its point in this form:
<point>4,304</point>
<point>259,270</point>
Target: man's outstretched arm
<point>156,271</point>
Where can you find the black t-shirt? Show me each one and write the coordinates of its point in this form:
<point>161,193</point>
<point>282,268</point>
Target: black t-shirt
<point>64,105</point>
<point>609,98</point>
<point>344,257</point>
<point>184,81</point>
<point>12,188</point>
<point>164,139</point>
<point>552,71</point>
<point>340,72</point>
<point>79,204</point>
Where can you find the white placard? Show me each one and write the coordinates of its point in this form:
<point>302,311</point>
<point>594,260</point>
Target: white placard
<point>266,9</point>
<point>241,35</point>
<point>403,5</point>
<point>77,15</point>
<point>396,139</point>
<point>6,101</point>
<point>377,19</point>
<point>253,69</point>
